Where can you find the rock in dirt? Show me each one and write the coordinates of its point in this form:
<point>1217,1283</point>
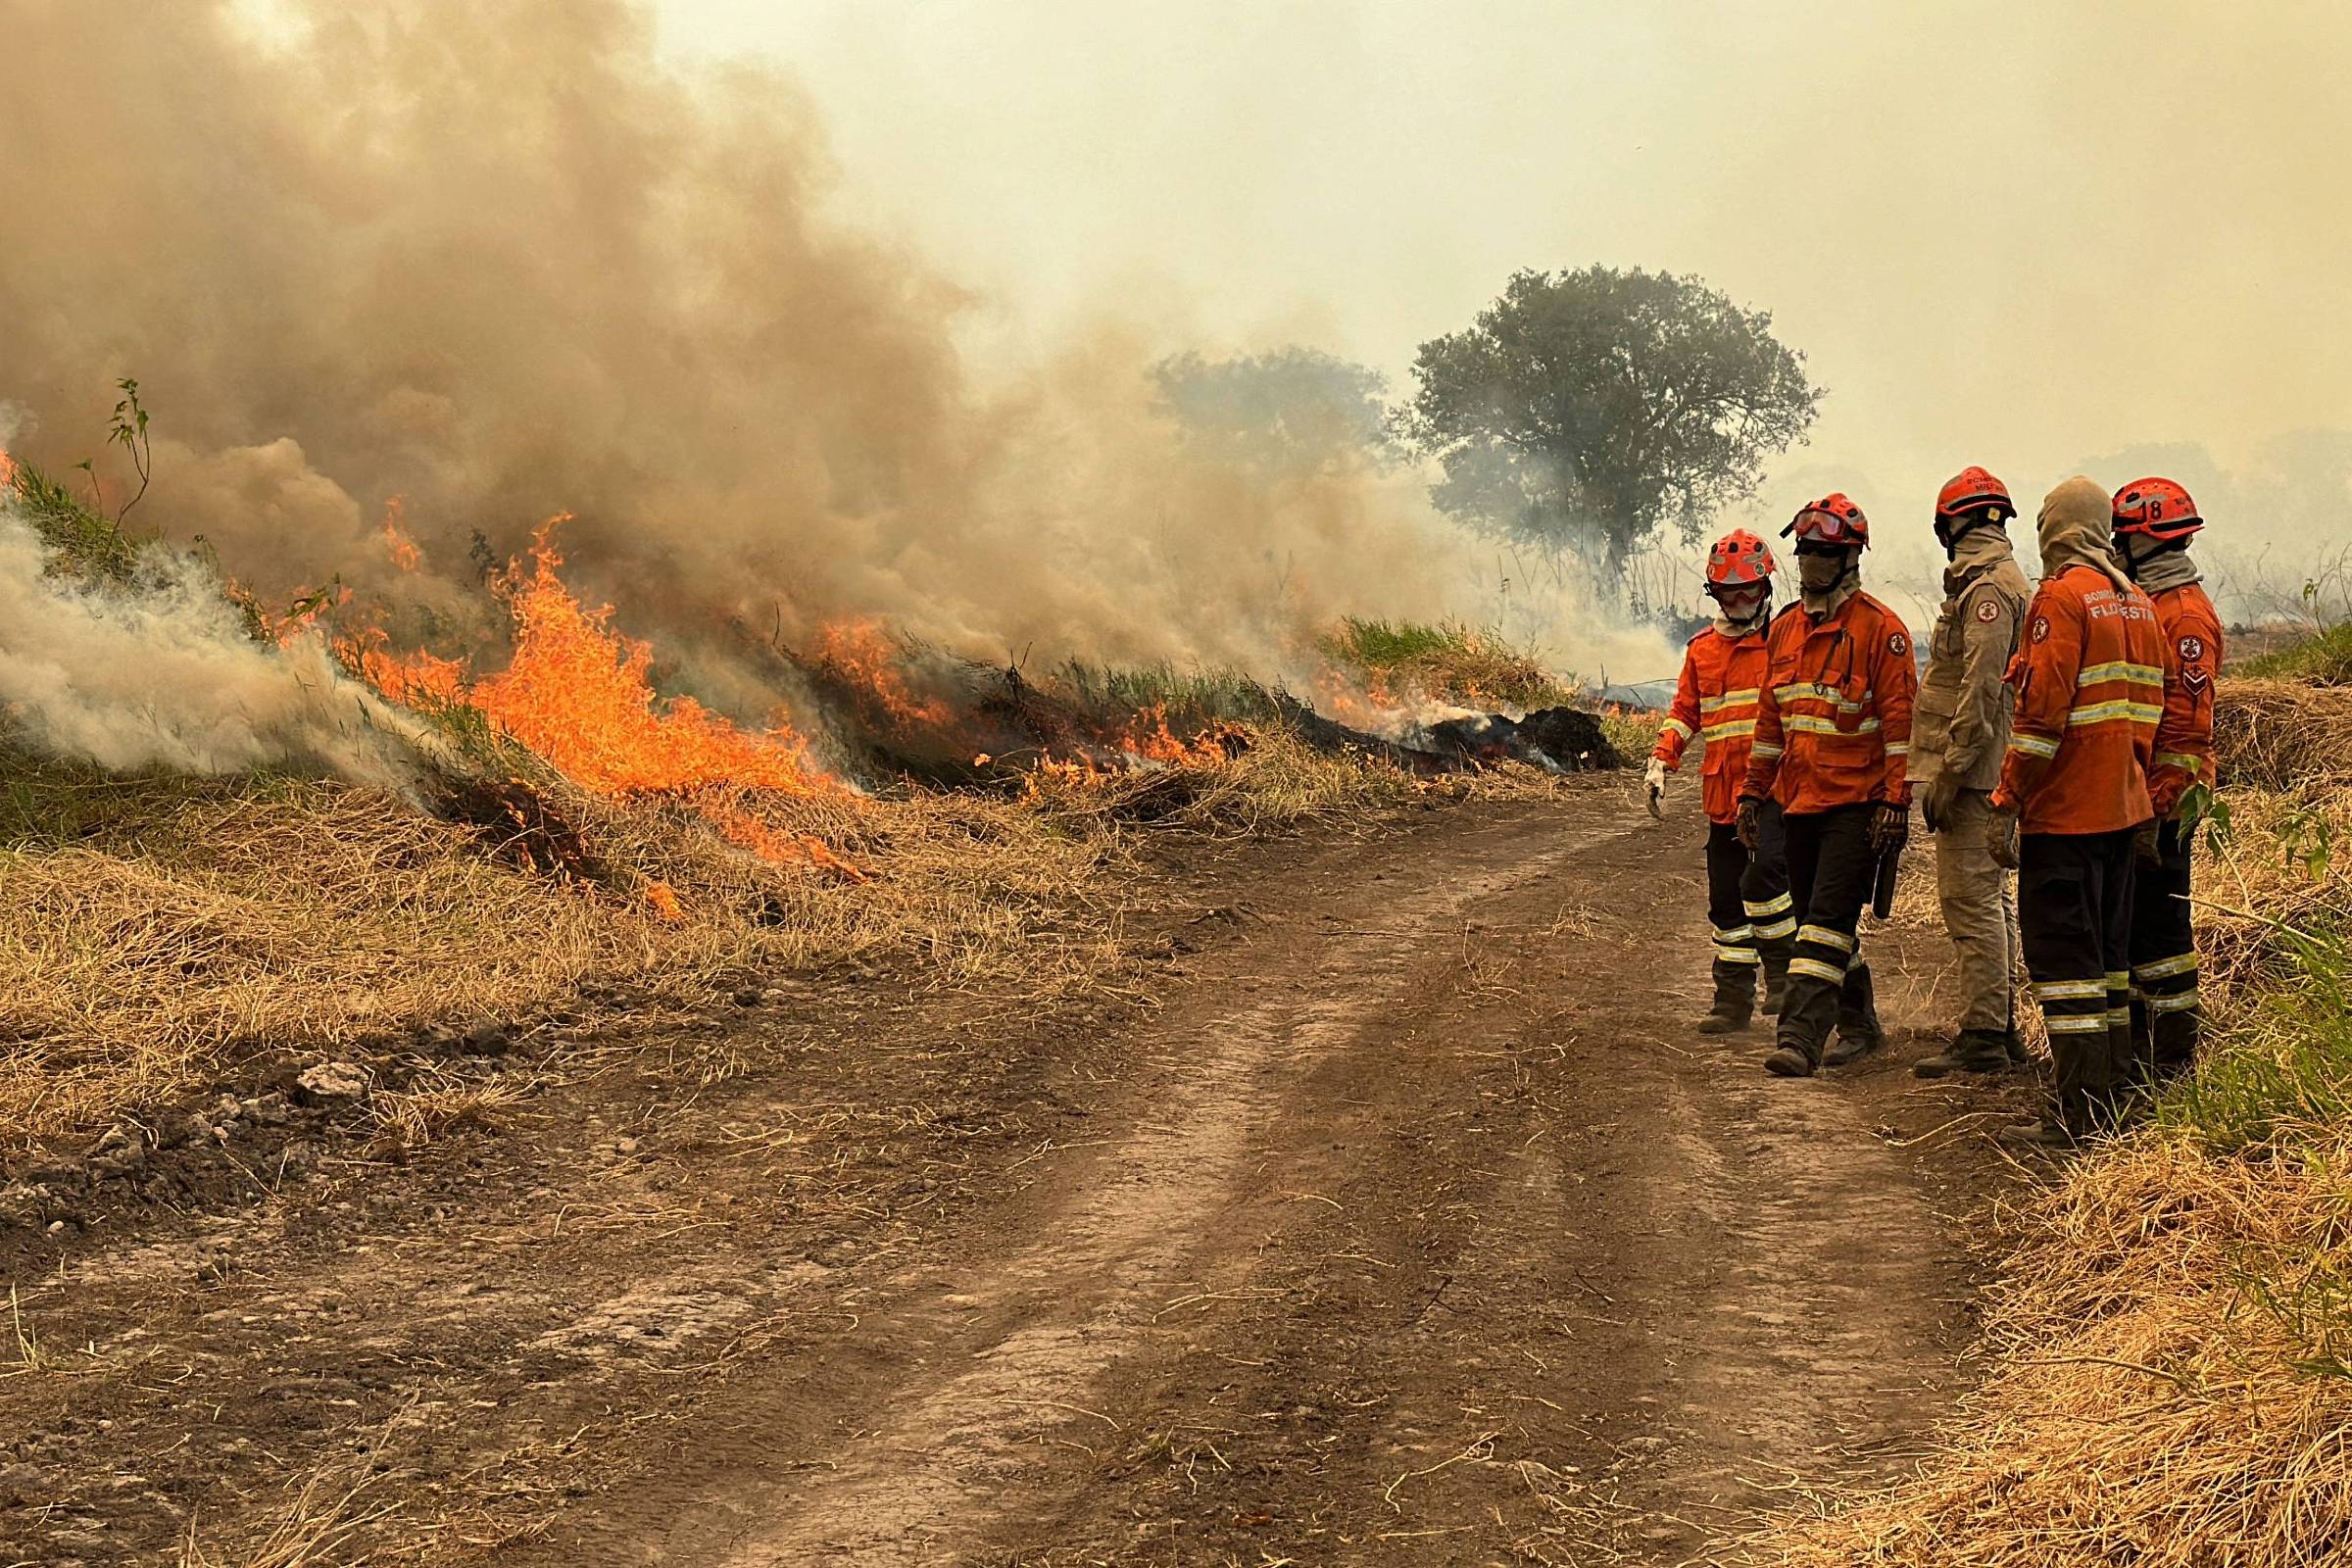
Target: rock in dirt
<point>266,1111</point>
<point>330,1084</point>
<point>126,1160</point>
<point>487,1039</point>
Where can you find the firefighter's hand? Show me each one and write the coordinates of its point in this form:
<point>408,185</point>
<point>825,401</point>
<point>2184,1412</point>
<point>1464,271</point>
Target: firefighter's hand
<point>1653,783</point>
<point>2144,844</point>
<point>2001,837</point>
<point>1750,825</point>
<point>1890,828</point>
<point>1935,807</point>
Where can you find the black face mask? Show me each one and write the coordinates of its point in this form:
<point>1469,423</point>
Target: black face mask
<point>1949,531</point>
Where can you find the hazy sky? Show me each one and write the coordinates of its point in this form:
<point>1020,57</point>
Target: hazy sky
<point>2017,233</point>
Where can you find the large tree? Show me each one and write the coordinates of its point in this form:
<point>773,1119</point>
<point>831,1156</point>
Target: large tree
<point>1590,410</point>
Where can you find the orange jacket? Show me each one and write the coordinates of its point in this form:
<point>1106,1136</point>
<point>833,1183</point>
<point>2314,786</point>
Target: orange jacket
<point>1723,677</point>
<point>2192,654</point>
<point>1833,726</point>
<point>2090,685</point>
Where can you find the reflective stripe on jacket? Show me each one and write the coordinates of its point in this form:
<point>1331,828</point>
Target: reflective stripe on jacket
<point>1716,701</point>
<point>2192,656</point>
<point>1833,722</point>
<point>2090,685</point>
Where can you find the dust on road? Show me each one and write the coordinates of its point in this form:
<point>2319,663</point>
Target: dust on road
<point>1396,1216</point>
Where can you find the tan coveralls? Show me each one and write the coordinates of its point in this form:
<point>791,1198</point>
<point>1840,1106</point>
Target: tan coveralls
<point>1961,725</point>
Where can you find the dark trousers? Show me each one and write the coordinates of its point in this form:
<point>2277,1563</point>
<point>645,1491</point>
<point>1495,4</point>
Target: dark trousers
<point>1747,904</point>
<point>2074,906</point>
<point>2163,959</point>
<point>1831,869</point>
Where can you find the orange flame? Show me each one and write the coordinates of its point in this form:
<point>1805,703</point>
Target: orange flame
<point>415,678</point>
<point>8,469</point>
<point>665,902</point>
<point>397,543</point>
<point>860,652</point>
<point>579,693</point>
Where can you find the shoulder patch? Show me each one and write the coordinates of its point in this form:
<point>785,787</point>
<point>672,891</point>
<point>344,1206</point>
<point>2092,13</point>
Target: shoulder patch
<point>1898,644</point>
<point>1988,610</point>
<point>2192,650</point>
<point>2041,628</point>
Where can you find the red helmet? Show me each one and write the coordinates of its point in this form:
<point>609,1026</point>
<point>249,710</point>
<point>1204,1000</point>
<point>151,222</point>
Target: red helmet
<point>2157,508</point>
<point>1831,520</point>
<point>1738,560</point>
<point>1973,489</point>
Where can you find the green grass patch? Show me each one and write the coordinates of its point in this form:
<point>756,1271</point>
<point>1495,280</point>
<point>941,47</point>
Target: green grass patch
<point>1448,661</point>
<point>1183,695</point>
<point>86,544</point>
<point>2286,1060</point>
<point>2325,658</point>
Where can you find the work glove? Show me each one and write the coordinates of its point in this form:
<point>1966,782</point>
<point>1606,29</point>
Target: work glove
<point>2144,844</point>
<point>1653,783</point>
<point>1750,823</point>
<point>1935,807</point>
<point>1890,828</point>
<point>2001,837</point>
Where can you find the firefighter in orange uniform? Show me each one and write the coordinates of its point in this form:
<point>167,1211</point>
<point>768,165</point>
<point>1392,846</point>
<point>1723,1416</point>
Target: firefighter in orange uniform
<point>1833,734</point>
<point>2072,796</point>
<point>1721,680</point>
<point>2154,521</point>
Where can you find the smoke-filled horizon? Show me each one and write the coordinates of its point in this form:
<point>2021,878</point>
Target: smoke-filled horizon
<point>2051,239</point>
<point>502,260</point>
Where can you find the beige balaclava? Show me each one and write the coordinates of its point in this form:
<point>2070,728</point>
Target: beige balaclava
<point>2077,524</point>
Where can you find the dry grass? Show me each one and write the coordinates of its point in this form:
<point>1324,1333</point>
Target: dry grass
<point>160,930</point>
<point>2171,1345</point>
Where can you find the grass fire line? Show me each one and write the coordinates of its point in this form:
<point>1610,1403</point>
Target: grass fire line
<point>536,820</point>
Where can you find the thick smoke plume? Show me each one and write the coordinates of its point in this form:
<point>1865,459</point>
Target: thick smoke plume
<point>163,674</point>
<point>497,258</point>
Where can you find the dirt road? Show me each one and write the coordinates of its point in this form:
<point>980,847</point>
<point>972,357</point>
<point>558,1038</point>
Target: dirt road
<point>1392,1213</point>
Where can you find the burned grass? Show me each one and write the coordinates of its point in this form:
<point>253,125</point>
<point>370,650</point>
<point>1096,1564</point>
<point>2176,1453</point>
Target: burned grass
<point>2170,1345</point>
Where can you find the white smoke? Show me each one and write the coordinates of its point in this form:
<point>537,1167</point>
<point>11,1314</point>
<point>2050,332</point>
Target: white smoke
<point>163,674</point>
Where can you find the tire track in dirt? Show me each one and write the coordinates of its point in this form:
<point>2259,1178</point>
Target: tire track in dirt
<point>1401,1220</point>
<point>1011,1358</point>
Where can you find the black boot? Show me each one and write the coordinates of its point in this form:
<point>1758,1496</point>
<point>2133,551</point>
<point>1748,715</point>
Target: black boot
<point>1858,1031</point>
<point>2013,1041</point>
<point>1971,1051</point>
<point>1735,998</point>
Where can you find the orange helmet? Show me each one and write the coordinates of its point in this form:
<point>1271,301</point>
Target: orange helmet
<point>1738,559</point>
<point>1973,489</point>
<point>1831,520</point>
<point>2157,508</point>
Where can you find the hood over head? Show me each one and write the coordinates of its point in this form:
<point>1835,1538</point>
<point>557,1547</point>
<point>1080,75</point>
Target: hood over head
<point>2075,525</point>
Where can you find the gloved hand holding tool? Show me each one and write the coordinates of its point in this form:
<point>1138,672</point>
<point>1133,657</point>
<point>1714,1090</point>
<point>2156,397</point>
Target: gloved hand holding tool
<point>1750,825</point>
<point>1653,785</point>
<point>1890,828</point>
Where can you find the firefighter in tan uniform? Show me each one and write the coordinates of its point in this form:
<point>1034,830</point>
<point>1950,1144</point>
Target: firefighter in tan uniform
<point>1959,734</point>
